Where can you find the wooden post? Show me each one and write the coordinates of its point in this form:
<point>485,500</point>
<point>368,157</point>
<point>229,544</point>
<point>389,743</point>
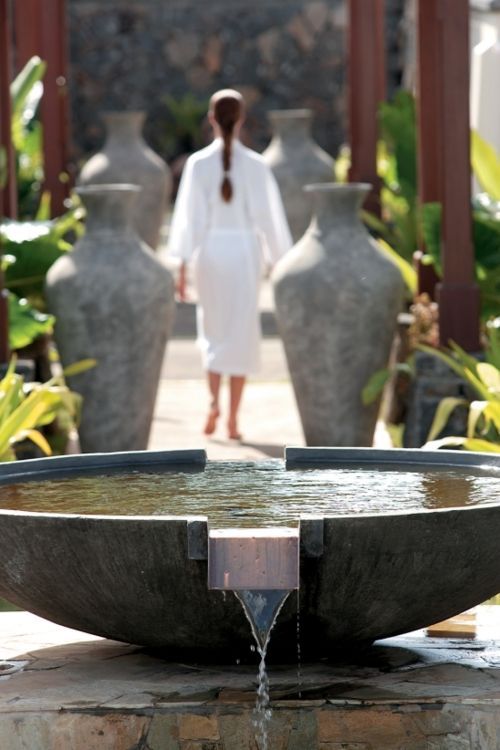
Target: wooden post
<point>367,85</point>
<point>46,35</point>
<point>428,120</point>
<point>8,195</point>
<point>458,294</point>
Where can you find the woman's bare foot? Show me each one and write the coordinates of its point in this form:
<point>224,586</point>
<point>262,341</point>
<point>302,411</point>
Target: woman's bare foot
<point>211,422</point>
<point>232,431</point>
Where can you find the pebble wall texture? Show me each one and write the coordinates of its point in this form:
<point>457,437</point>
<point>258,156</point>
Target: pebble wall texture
<point>280,53</point>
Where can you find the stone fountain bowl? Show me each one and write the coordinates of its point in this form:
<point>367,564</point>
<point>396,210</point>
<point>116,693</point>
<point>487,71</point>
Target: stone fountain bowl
<point>144,579</point>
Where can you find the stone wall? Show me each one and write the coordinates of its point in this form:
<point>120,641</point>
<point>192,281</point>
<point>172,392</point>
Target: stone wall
<point>279,53</point>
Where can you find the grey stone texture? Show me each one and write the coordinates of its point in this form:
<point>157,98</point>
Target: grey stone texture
<point>114,302</point>
<point>126,158</point>
<point>133,579</point>
<point>337,300</point>
<point>297,161</point>
<point>281,54</point>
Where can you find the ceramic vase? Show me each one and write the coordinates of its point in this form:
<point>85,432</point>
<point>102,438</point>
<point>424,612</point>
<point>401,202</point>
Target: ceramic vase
<point>337,300</point>
<point>126,158</point>
<point>296,160</point>
<point>114,302</point>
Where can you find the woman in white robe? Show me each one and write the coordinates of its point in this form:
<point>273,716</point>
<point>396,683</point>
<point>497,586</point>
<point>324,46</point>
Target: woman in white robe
<point>229,221</point>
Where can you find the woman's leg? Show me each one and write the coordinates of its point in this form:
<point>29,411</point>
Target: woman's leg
<point>214,379</point>
<point>236,384</point>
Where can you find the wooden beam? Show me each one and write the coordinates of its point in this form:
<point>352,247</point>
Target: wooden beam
<point>458,294</point>
<point>46,35</point>
<point>8,195</point>
<point>428,125</point>
<point>367,88</point>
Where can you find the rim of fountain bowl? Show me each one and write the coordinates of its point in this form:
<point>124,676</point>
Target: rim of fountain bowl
<point>330,187</point>
<point>295,457</point>
<point>108,187</point>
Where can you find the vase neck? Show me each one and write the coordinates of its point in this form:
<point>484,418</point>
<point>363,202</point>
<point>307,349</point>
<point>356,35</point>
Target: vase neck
<point>337,205</point>
<point>291,126</point>
<point>108,207</point>
<point>123,127</point>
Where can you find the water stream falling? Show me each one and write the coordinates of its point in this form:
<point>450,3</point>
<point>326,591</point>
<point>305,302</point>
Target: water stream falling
<point>262,609</point>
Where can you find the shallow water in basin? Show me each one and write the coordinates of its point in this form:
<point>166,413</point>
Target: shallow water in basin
<point>256,494</point>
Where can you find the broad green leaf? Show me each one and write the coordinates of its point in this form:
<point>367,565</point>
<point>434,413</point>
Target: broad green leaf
<point>442,415</point>
<point>481,446</point>
<point>26,323</point>
<point>406,269</point>
<point>490,376</point>
<point>492,413</point>
<point>36,437</point>
<point>375,386</point>
<point>476,411</point>
<point>486,165</point>
<point>27,415</point>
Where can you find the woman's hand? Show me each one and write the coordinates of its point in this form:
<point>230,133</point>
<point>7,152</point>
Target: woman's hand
<point>180,286</point>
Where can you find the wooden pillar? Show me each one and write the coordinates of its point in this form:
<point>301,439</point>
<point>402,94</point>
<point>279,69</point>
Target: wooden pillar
<point>8,194</point>
<point>367,88</point>
<point>428,119</point>
<point>458,294</point>
<point>46,35</point>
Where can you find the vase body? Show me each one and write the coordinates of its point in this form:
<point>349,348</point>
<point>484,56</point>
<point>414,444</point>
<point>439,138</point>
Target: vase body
<point>114,302</point>
<point>126,158</point>
<point>296,160</point>
<point>337,299</point>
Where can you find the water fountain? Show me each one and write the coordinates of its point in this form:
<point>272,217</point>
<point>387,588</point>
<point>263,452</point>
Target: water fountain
<point>142,578</point>
<point>378,542</point>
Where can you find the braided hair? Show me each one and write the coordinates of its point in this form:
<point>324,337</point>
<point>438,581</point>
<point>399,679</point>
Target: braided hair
<point>227,109</point>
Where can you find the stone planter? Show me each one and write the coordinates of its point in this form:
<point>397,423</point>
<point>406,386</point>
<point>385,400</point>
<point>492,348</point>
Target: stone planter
<point>296,160</point>
<point>126,158</point>
<point>114,302</point>
<point>337,300</point>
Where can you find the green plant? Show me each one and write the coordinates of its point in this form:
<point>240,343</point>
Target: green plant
<point>27,407</point>
<point>483,423</point>
<point>26,92</point>
<point>486,241</point>
<point>397,168</point>
<point>184,127</point>
<point>33,246</point>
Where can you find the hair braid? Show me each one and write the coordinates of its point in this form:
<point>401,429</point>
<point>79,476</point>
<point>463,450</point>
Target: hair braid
<point>227,109</point>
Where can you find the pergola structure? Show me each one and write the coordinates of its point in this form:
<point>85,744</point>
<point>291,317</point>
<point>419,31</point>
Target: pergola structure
<point>443,123</point>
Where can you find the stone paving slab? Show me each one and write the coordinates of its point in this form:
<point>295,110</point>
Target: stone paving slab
<point>65,690</point>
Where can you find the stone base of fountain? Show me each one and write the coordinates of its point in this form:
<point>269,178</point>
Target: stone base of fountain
<point>64,689</point>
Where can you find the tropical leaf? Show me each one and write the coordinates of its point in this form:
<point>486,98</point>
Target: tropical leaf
<point>490,376</point>
<point>26,323</point>
<point>406,269</point>
<point>36,437</point>
<point>486,165</point>
<point>482,446</point>
<point>476,411</point>
<point>375,386</point>
<point>443,413</point>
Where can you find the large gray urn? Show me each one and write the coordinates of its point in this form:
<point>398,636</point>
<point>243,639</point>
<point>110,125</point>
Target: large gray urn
<point>296,160</point>
<point>126,158</point>
<point>337,299</point>
<point>114,302</point>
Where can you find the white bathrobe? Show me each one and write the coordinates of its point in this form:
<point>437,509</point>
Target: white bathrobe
<point>229,244</point>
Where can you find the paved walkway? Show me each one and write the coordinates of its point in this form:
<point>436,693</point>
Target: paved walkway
<point>269,419</point>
